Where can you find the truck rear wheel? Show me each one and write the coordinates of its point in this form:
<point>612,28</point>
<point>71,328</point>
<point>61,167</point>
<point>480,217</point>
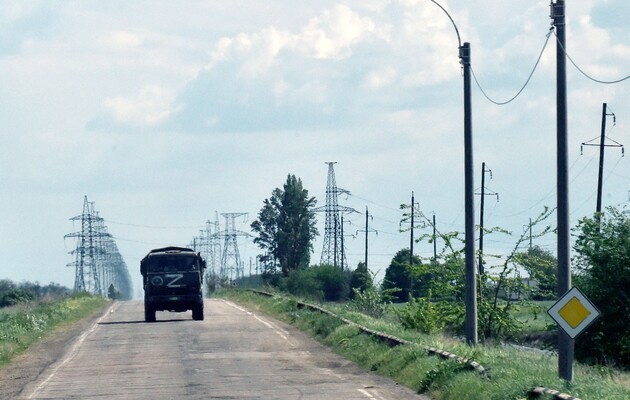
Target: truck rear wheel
<point>149,313</point>
<point>197,312</point>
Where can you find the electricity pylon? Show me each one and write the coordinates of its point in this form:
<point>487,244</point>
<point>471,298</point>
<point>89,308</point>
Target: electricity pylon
<point>333,252</point>
<point>87,252</point>
<point>231,265</point>
<point>98,263</point>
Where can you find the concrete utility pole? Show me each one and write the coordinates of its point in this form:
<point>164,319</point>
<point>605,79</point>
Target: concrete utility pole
<point>434,241</point>
<point>565,343</point>
<point>412,222</point>
<point>469,192</point>
<point>481,212</point>
<point>367,231</point>
<point>602,144</point>
<point>469,199</point>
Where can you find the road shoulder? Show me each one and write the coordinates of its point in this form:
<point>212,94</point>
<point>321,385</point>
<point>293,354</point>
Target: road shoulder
<point>27,367</point>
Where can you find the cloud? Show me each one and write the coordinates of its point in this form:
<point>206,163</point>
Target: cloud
<point>331,72</point>
<point>151,106</point>
<point>122,39</point>
<point>22,22</point>
<point>611,13</point>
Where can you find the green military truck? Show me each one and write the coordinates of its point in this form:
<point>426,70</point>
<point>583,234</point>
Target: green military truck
<point>173,279</point>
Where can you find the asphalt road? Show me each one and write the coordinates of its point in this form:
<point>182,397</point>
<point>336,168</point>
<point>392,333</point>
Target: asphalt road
<point>233,354</point>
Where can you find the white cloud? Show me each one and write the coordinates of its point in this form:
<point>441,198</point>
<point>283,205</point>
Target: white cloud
<point>381,77</point>
<point>332,34</point>
<point>149,107</point>
<point>122,39</point>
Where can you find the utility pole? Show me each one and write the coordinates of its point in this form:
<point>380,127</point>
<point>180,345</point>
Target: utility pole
<point>529,227</point>
<point>411,236</point>
<point>483,196</point>
<point>602,144</point>
<point>598,208</point>
<point>412,224</point>
<point>367,231</point>
<point>469,192</point>
<point>469,200</point>
<point>434,241</point>
<point>565,343</point>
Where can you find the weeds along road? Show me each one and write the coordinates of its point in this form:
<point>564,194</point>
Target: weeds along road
<point>232,354</point>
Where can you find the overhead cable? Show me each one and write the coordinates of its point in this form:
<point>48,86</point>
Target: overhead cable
<point>501,103</point>
<point>584,73</point>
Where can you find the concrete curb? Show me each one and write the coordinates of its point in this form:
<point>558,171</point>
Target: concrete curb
<point>535,393</point>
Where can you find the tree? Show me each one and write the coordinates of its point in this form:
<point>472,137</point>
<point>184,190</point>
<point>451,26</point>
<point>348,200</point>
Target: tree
<point>603,274</point>
<point>398,276</point>
<point>360,280</point>
<point>286,226</point>
<point>542,267</point>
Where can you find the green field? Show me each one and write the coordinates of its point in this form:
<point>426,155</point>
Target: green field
<point>24,324</point>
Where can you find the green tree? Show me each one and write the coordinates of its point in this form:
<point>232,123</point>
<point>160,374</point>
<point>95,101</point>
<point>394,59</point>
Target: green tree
<point>286,226</point>
<point>542,267</point>
<point>399,276</point>
<point>12,294</point>
<point>603,274</point>
<point>320,282</point>
<point>361,279</point>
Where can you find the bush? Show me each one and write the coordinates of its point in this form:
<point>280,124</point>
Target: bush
<point>324,282</point>
<point>603,274</point>
<point>369,302</point>
<point>422,315</point>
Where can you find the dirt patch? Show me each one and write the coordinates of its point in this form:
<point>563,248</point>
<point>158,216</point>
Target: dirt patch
<point>28,366</point>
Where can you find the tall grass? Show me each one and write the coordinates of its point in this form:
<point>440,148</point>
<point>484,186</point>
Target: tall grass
<point>24,324</point>
<point>512,371</point>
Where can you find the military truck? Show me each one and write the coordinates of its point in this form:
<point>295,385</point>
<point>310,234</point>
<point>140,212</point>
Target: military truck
<point>173,279</point>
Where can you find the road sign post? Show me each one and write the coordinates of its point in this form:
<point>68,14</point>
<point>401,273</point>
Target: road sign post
<point>573,313</point>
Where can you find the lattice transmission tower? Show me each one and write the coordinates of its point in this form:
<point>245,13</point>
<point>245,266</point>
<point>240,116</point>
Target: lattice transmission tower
<point>98,263</point>
<point>213,233</point>
<point>333,251</point>
<point>208,243</point>
<point>231,265</point>
<point>88,251</point>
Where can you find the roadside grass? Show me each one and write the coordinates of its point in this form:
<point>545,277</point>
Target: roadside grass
<point>512,372</point>
<point>24,324</point>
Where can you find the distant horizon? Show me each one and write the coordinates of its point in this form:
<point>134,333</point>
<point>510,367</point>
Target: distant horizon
<point>165,115</point>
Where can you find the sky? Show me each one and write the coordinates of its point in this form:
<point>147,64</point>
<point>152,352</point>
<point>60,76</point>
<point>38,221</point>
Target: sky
<point>167,113</point>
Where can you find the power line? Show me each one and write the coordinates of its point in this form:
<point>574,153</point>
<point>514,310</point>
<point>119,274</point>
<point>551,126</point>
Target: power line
<point>501,103</point>
<point>153,226</point>
<point>584,73</point>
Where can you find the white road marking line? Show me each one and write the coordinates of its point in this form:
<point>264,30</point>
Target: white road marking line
<point>73,352</point>
<point>279,331</point>
<point>374,396</point>
<point>366,393</point>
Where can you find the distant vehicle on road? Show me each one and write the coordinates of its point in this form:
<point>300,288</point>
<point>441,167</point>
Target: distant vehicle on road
<point>172,279</point>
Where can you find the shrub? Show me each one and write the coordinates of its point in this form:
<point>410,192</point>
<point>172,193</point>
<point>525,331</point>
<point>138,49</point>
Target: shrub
<point>369,302</point>
<point>323,282</point>
<point>603,264</point>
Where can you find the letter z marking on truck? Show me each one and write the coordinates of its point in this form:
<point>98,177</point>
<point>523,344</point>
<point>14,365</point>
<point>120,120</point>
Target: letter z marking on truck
<point>177,277</point>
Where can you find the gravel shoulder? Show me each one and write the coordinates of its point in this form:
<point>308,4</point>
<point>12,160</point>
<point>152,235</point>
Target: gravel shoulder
<point>28,366</point>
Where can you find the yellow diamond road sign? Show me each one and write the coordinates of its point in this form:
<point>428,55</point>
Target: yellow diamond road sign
<point>573,312</point>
